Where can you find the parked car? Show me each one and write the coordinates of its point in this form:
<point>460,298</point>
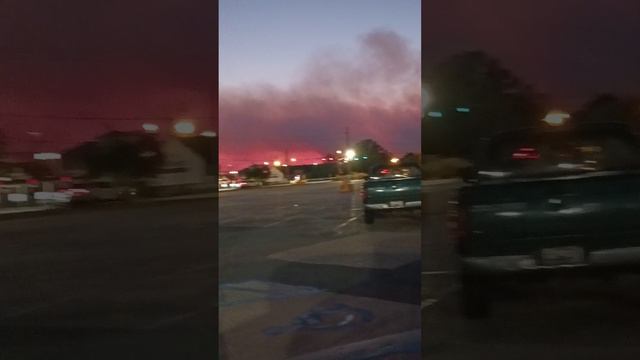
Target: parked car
<point>252,183</point>
<point>546,203</point>
<point>78,194</point>
<point>106,191</point>
<point>391,189</point>
<point>223,182</point>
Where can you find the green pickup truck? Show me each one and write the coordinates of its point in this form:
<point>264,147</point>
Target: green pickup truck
<point>548,202</point>
<point>390,190</point>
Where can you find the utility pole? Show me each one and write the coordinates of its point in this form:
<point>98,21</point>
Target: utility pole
<point>285,170</point>
<point>346,137</point>
<point>346,185</point>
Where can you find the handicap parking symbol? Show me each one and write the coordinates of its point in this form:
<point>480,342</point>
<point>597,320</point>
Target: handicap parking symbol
<point>336,316</point>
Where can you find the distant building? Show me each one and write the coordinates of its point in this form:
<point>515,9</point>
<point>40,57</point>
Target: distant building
<point>322,170</point>
<point>188,162</point>
<point>23,177</point>
<point>23,170</point>
<point>276,176</point>
<point>76,161</point>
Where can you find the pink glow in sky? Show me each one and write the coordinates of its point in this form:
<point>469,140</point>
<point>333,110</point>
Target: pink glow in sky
<point>374,90</point>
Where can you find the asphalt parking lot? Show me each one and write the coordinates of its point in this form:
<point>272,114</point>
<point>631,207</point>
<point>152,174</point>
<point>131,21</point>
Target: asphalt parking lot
<point>302,275</point>
<point>110,282</point>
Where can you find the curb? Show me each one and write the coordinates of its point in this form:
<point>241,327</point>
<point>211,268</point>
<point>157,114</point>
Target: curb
<point>180,197</point>
<point>32,213</point>
<point>103,205</point>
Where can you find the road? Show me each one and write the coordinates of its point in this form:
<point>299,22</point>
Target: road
<point>302,275</point>
<point>112,282</point>
<point>558,319</point>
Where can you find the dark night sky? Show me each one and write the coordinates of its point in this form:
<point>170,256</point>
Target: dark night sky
<point>569,49</point>
<point>104,58</point>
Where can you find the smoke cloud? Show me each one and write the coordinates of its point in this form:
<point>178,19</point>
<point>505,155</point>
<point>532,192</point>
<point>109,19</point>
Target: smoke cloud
<point>374,91</point>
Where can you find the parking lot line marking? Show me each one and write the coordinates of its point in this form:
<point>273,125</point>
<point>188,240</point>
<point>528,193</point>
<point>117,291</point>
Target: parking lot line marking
<point>443,272</point>
<point>442,294</point>
<point>274,223</point>
<point>352,219</point>
<point>427,302</point>
<point>235,219</point>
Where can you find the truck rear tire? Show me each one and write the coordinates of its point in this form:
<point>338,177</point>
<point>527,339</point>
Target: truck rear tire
<point>474,298</point>
<point>369,217</point>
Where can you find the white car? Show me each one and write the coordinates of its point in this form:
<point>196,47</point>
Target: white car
<point>224,183</point>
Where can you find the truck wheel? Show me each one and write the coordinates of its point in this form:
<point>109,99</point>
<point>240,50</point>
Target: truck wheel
<point>474,298</point>
<point>369,217</point>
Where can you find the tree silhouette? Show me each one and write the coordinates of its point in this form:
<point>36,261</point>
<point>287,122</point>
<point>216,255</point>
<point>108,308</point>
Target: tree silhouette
<point>329,157</point>
<point>477,97</point>
<point>410,159</point>
<point>608,108</point>
<point>369,154</point>
<point>124,155</point>
<point>258,172</point>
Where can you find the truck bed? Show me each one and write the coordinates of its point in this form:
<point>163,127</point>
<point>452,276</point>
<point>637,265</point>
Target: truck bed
<point>390,193</point>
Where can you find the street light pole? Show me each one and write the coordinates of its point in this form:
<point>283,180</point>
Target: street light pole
<point>346,137</point>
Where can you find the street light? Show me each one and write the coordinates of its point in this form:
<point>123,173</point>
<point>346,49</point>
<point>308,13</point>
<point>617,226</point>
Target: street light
<point>277,163</point>
<point>184,127</point>
<point>150,128</point>
<point>350,154</point>
<point>47,156</point>
<point>395,160</point>
<point>208,134</point>
<point>556,118</point>
<point>266,163</point>
<point>338,151</point>
<point>294,159</point>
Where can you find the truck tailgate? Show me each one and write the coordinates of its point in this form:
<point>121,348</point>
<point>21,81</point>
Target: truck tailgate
<point>383,191</point>
<point>593,211</point>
